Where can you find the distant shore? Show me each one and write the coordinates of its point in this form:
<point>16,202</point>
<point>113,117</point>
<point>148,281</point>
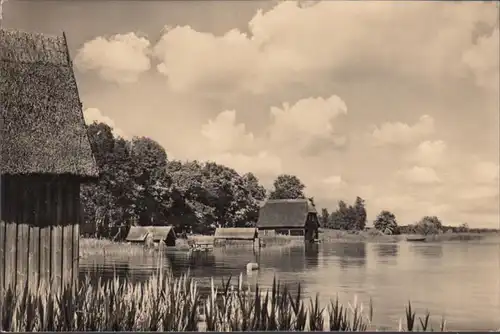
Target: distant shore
<point>329,235</point>
<point>102,247</point>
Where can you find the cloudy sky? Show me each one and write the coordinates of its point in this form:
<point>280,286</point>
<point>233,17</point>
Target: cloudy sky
<point>397,102</point>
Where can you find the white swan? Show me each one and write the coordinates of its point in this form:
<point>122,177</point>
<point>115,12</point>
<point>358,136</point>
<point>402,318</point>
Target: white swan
<point>252,266</point>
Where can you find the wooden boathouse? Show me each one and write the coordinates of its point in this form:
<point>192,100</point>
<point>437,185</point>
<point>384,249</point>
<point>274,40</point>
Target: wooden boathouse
<point>293,217</point>
<point>236,233</point>
<point>45,156</point>
<point>152,234</point>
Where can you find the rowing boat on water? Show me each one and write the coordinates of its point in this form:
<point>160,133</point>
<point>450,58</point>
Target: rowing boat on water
<point>415,239</point>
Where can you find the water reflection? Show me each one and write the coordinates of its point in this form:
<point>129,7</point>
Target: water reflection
<point>391,274</point>
<point>386,250</point>
<point>428,250</point>
<point>349,254</point>
<point>106,272</point>
<point>311,253</point>
<point>198,264</point>
<point>287,259</point>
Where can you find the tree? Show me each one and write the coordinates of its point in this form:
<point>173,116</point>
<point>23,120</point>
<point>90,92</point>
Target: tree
<point>325,217</point>
<point>287,187</point>
<point>148,162</point>
<point>257,194</point>
<point>210,194</point>
<point>190,210</point>
<point>138,185</point>
<point>257,191</point>
<point>463,228</point>
<point>429,225</point>
<point>386,223</point>
<point>102,142</point>
<point>360,214</point>
<point>344,218</point>
<point>108,202</point>
<point>133,186</point>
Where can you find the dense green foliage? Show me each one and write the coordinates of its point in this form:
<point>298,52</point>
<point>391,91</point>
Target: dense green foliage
<point>386,223</point>
<point>287,187</point>
<point>428,225</point>
<point>138,185</point>
<point>347,217</point>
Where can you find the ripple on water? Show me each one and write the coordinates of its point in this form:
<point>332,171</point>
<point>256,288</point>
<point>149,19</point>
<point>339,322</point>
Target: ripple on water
<point>457,280</point>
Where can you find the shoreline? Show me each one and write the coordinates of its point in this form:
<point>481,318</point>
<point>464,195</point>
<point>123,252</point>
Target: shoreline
<point>364,236</point>
<point>103,247</point>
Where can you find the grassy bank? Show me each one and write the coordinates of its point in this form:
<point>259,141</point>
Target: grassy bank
<point>90,247</point>
<point>164,303</point>
<point>329,235</point>
<point>100,247</point>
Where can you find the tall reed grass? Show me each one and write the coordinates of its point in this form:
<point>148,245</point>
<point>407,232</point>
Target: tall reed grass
<point>90,247</point>
<point>166,303</point>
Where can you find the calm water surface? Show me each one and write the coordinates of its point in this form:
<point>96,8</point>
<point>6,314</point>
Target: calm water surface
<point>457,280</point>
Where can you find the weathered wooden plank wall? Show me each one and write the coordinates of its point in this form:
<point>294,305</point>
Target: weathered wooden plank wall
<point>39,231</point>
<point>2,233</point>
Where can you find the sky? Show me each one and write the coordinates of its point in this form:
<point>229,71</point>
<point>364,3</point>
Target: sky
<point>396,102</point>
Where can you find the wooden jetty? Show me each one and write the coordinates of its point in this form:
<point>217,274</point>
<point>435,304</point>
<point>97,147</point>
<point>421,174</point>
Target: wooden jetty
<point>201,243</point>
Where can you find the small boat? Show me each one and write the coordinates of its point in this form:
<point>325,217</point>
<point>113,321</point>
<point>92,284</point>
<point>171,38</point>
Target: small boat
<point>415,239</point>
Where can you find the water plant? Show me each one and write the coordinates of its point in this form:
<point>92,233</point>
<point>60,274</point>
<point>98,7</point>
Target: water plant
<point>167,303</point>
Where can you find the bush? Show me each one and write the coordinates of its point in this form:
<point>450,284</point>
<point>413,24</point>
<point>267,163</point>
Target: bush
<point>386,223</point>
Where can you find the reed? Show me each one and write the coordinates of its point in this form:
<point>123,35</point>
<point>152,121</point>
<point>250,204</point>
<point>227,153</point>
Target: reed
<point>90,247</point>
<point>166,303</point>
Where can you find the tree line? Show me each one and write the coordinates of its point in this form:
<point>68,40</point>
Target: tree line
<point>139,185</point>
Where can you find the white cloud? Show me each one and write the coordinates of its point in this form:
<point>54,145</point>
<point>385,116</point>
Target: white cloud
<point>479,192</point>
<point>308,127</point>
<point>263,164</point>
<point>429,153</point>
<point>92,115</point>
<point>226,60</point>
<point>294,44</point>
<point>486,172</point>
<point>421,175</point>
<point>295,51</point>
<point>397,133</point>
<point>393,202</point>
<point>335,181</point>
<point>483,59</point>
<point>224,134</point>
<point>119,59</point>
<point>479,203</point>
<point>308,124</point>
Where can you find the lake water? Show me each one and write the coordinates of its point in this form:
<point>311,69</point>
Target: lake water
<point>457,280</point>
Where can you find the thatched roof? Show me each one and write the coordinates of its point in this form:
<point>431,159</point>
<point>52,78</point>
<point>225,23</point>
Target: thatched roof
<point>285,213</point>
<point>137,233</point>
<point>161,232</point>
<point>41,118</point>
<point>236,233</point>
<point>157,233</point>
